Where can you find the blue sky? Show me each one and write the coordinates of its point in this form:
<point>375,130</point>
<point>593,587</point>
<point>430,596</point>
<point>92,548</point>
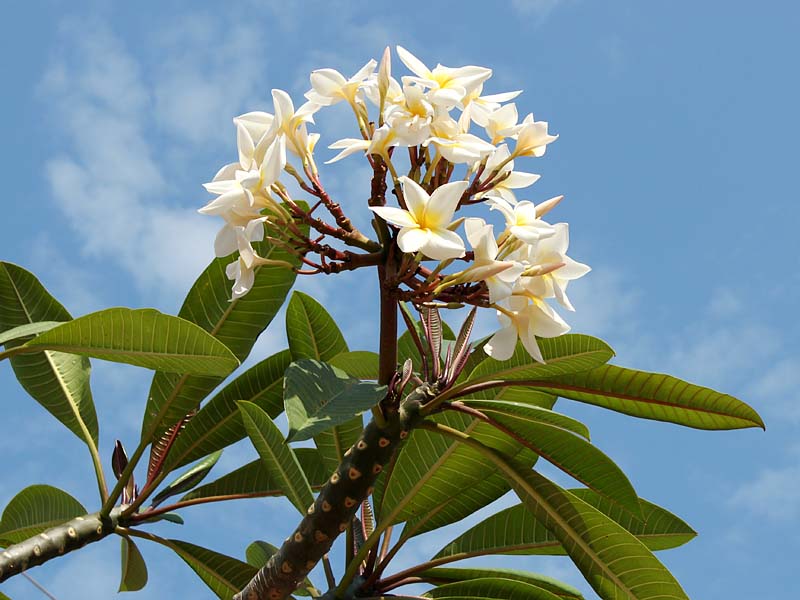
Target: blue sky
<point>677,156</point>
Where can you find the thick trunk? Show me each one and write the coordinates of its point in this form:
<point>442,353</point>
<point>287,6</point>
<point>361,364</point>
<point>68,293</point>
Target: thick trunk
<point>335,506</point>
<point>56,541</point>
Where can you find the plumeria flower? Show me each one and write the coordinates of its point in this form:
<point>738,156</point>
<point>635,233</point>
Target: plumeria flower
<point>411,120</point>
<point>383,139</point>
<point>287,120</point>
<point>330,87</point>
<point>455,145</point>
<point>532,138</point>
<point>522,221</point>
<point>425,225</point>
<point>251,137</point>
<point>499,275</point>
<point>553,250</point>
<point>477,108</point>
<point>502,123</point>
<point>507,178</point>
<point>242,270</point>
<point>448,85</point>
<point>525,318</point>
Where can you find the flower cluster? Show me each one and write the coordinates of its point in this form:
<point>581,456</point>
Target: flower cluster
<point>436,117</point>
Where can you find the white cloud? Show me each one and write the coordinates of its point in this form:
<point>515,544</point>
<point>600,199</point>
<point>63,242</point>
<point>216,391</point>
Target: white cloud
<point>779,389</point>
<point>774,493</point>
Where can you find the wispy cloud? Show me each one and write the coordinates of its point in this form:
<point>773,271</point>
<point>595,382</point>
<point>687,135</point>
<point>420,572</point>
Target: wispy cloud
<point>539,9</point>
<point>774,492</point>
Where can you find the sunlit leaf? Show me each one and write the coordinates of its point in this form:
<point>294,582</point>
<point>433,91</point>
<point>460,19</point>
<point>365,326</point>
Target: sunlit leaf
<point>279,459</point>
<point>142,337</point>
<point>23,331</point>
<point>225,575</point>
<point>318,397</point>
<point>57,381</point>
<point>253,479</point>
<point>486,588</point>
<point>34,509</point>
<point>446,575</point>
<point>218,423</point>
<point>313,334</point>
<point>654,396</point>
<point>189,479</point>
<point>515,530</point>
<point>237,324</point>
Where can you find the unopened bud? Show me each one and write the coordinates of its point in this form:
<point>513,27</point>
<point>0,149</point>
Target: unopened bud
<point>548,205</point>
<point>385,72</point>
<point>539,270</point>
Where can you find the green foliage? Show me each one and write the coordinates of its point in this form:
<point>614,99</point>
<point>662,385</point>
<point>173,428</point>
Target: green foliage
<point>236,323</point>
<point>189,479</point>
<point>486,588</point>
<point>654,396</point>
<point>142,337</point>
<point>279,460</point>
<point>34,509</point>
<point>318,397</point>
<point>225,575</point>
<point>255,479</point>
<point>57,381</point>
<point>134,569</point>
<point>218,423</point>
<point>446,575</point>
<point>313,334</point>
<point>515,530</point>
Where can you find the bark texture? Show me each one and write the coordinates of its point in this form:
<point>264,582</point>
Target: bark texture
<point>56,541</point>
<point>335,506</point>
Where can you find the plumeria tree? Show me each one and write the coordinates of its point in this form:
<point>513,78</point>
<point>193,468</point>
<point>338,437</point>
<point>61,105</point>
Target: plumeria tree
<point>430,429</point>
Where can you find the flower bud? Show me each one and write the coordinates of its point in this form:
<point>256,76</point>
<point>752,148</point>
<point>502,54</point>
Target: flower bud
<point>385,72</point>
<point>548,205</point>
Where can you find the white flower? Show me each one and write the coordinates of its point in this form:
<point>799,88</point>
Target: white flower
<point>383,139</point>
<point>522,220</point>
<point>449,86</point>
<point>251,137</point>
<point>532,138</point>
<point>525,318</point>
<point>507,178</point>
<point>411,120</point>
<point>424,226</point>
<point>287,120</point>
<point>330,87</point>
<point>499,275</point>
<point>462,148</point>
<point>502,123</point>
<point>553,250</point>
<point>477,108</point>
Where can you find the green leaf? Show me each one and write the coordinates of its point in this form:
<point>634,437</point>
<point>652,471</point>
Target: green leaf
<point>432,472</point>
<point>142,337</point>
<point>654,396</point>
<point>564,354</point>
<point>218,423</point>
<point>570,453</point>
<point>225,575</point>
<point>258,553</point>
<point>57,381</point>
<point>23,331</point>
<point>279,459</point>
<point>613,561</point>
<point>446,575</point>
<point>515,530</point>
<point>134,569</point>
<point>530,411</point>
<point>237,324</point>
<point>318,397</point>
<point>189,479</point>
<point>491,587</point>
<point>34,509</point>
<point>313,334</point>
<point>360,363</point>
<point>254,478</point>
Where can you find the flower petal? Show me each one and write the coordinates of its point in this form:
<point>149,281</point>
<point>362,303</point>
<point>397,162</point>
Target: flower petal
<point>501,345</point>
<point>412,239</point>
<point>395,216</point>
<point>416,198</point>
<point>443,203</point>
<point>443,244</point>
